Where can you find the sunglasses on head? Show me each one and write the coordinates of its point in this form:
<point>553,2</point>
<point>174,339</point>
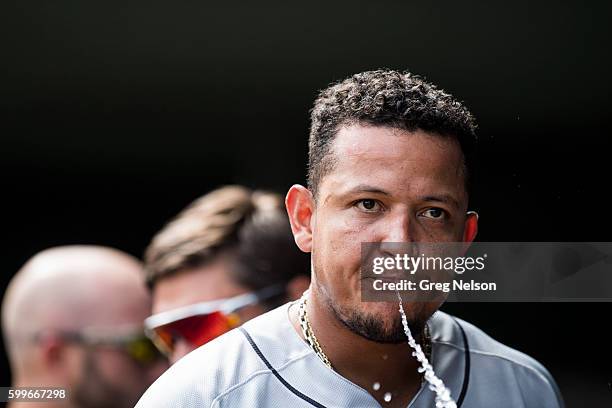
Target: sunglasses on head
<point>199,323</point>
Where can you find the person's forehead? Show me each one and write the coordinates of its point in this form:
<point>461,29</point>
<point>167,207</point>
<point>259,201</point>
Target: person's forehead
<point>381,156</point>
<point>384,142</point>
<point>122,303</point>
<point>209,282</point>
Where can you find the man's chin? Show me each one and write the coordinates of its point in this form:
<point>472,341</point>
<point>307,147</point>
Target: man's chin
<point>378,322</point>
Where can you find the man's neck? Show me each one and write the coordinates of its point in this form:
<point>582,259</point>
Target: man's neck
<point>376,367</point>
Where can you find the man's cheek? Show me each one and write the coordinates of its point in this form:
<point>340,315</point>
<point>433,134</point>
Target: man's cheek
<point>342,254</point>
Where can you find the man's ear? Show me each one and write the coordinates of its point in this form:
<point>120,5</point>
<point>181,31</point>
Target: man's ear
<point>470,228</point>
<point>300,206</point>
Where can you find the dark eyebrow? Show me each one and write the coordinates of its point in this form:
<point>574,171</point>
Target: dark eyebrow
<point>444,198</point>
<point>365,188</point>
<point>361,188</point>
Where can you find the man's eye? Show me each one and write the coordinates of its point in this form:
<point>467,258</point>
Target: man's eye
<point>435,213</point>
<point>368,205</point>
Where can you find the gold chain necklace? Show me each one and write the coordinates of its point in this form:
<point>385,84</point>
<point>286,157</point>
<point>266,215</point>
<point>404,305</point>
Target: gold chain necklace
<point>312,341</point>
<point>309,335</point>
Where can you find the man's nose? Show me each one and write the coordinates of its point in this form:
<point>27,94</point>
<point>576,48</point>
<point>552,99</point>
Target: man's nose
<point>397,236</point>
<point>181,349</point>
<point>398,228</point>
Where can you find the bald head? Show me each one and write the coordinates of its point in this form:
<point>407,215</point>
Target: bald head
<point>70,288</point>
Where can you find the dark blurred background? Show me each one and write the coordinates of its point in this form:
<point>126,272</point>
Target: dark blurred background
<point>114,116</point>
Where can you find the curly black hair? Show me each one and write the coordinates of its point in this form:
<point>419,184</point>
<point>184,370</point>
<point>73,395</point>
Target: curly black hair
<point>385,98</point>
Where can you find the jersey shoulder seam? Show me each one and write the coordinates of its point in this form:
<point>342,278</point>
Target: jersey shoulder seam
<point>257,374</point>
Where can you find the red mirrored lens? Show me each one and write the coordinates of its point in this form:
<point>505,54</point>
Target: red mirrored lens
<point>197,330</point>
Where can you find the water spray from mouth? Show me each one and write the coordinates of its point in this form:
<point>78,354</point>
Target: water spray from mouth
<point>443,397</point>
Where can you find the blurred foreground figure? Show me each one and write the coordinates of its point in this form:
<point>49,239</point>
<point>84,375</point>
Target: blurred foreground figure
<point>225,259</point>
<point>72,318</point>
